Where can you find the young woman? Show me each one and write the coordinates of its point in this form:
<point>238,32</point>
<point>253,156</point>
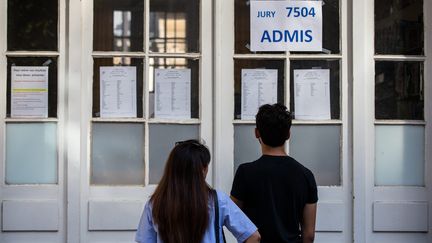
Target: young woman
<point>182,209</point>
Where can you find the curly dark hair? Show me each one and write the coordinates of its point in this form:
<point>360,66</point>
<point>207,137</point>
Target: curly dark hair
<point>273,123</point>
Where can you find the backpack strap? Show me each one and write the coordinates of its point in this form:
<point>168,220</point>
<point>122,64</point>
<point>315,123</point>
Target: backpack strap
<point>216,222</point>
<point>216,210</point>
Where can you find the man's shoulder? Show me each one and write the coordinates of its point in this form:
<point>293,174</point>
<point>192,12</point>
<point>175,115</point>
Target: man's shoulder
<point>298,164</point>
<point>289,162</point>
<point>296,168</point>
<point>305,169</point>
<point>266,160</point>
<point>248,165</point>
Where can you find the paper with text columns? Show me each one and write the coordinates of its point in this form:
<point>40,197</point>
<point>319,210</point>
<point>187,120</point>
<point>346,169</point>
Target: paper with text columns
<point>312,94</point>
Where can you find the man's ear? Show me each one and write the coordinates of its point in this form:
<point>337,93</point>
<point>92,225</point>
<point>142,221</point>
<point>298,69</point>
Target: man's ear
<point>289,134</point>
<point>257,134</point>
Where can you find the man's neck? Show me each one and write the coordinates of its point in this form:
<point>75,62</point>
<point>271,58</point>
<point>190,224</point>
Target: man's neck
<point>273,151</point>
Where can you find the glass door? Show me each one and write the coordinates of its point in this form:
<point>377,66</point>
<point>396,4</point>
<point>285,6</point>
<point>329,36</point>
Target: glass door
<point>392,112</point>
<point>32,121</point>
<point>321,145</point>
<point>146,84</point>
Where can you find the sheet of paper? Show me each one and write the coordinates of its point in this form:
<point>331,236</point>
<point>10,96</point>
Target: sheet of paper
<point>286,25</point>
<point>312,94</point>
<point>29,96</point>
<point>173,93</point>
<point>259,87</point>
<point>118,92</point>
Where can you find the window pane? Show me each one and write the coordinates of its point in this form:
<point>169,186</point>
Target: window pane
<point>318,148</point>
<point>334,67</point>
<point>175,63</point>
<point>257,64</point>
<point>117,156</point>
<point>399,155</point>
<point>399,90</point>
<point>242,27</point>
<point>38,164</point>
<point>331,27</point>
<point>246,147</point>
<point>174,26</point>
<point>162,139</point>
<point>399,27</point>
<point>118,61</point>
<point>118,25</point>
<point>32,25</point>
<point>51,63</point>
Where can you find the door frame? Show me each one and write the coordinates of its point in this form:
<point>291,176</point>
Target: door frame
<point>36,193</point>
<point>365,191</point>
<point>224,111</point>
<point>74,116</point>
<point>80,192</point>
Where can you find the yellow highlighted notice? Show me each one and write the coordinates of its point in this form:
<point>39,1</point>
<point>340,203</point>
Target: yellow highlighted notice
<point>29,96</point>
<point>30,90</point>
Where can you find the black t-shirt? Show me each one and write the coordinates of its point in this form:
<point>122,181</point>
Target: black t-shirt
<point>274,191</point>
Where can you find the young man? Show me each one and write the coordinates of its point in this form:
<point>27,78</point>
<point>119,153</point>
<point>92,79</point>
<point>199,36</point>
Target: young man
<point>276,192</point>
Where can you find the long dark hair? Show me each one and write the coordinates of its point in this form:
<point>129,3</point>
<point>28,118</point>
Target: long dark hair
<point>180,202</point>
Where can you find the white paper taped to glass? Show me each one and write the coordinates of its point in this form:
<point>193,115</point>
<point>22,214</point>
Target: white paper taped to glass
<point>29,96</point>
<point>286,25</point>
<point>173,93</point>
<point>118,92</point>
<point>312,94</point>
<point>259,87</point>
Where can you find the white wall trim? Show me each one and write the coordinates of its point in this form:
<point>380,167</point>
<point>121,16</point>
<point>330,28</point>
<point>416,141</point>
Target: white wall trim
<point>73,122</point>
<point>223,70</point>
<point>362,116</point>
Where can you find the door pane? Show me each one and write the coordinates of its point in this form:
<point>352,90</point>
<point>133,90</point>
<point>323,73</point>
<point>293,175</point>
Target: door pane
<point>399,155</point>
<point>399,27</point>
<point>117,156</point>
<point>138,63</point>
<point>246,147</point>
<point>174,26</point>
<point>51,63</point>
<point>32,25</point>
<point>334,67</point>
<point>162,139</point>
<point>242,27</point>
<point>240,64</point>
<point>318,148</point>
<point>31,153</point>
<point>118,25</point>
<point>331,29</point>
<point>399,90</point>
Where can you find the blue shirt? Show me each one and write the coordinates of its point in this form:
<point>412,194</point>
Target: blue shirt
<point>230,216</point>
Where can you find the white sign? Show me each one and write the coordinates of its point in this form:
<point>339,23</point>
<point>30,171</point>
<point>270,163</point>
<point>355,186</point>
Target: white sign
<point>286,25</point>
<point>29,96</point>
<point>312,94</point>
<point>118,92</point>
<point>173,93</point>
<point>259,87</point>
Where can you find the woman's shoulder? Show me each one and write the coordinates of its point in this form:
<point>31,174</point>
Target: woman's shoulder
<point>220,193</point>
<point>223,198</point>
<point>148,206</point>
